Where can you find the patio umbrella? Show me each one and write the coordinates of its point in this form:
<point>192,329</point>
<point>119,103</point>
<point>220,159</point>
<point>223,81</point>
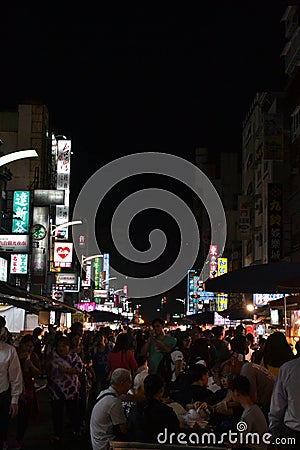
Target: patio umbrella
<point>259,278</point>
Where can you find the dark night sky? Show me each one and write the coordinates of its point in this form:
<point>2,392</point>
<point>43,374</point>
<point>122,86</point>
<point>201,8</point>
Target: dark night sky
<point>120,79</point>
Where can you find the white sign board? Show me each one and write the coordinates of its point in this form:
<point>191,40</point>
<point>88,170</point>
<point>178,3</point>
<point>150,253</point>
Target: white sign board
<point>66,278</point>
<point>63,253</point>
<point>18,263</point>
<point>15,243</point>
<point>3,269</point>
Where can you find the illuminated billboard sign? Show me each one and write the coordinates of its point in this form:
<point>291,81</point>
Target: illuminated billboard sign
<point>63,182</point>
<point>18,263</point>
<point>21,203</point>
<point>63,253</point>
<point>3,269</point>
<point>14,243</point>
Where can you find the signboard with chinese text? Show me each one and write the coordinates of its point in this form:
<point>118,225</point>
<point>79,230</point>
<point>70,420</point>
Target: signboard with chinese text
<point>213,261</point>
<point>14,243</point>
<point>63,182</point>
<point>221,302</point>
<point>87,269</point>
<point>244,217</point>
<point>18,263</point>
<point>40,241</point>
<point>106,268</point>
<point>222,266</point>
<point>273,136</point>
<point>21,203</point>
<point>275,222</point>
<point>194,293</point>
<point>3,269</point>
<point>63,253</point>
<point>222,299</point>
<point>96,273</point>
<point>100,293</point>
<point>264,299</point>
<point>66,278</point>
<point>86,306</point>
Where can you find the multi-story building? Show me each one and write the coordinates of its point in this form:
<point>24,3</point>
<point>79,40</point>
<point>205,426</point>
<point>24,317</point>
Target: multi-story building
<point>269,210</point>
<point>228,187</point>
<point>291,55</point>
<point>263,184</point>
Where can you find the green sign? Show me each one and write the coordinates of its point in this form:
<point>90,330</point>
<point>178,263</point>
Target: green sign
<point>96,266</point>
<point>20,212</point>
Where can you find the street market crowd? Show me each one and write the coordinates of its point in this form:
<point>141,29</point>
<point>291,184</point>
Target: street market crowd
<point>150,384</point>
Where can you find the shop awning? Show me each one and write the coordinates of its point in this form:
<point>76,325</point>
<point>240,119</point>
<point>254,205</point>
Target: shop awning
<point>32,303</point>
<point>260,278</point>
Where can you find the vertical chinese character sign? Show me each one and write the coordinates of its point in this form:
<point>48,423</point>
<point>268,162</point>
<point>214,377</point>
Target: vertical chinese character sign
<point>275,221</point>
<point>18,263</point>
<point>63,182</point>
<point>222,299</point>
<point>20,212</point>
<point>213,261</point>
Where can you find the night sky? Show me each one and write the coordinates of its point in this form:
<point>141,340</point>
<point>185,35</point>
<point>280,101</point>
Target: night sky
<point>120,79</point>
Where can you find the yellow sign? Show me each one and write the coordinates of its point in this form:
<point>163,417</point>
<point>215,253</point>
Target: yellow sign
<point>222,266</point>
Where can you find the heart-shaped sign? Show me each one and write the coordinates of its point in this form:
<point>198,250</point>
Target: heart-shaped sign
<point>57,295</point>
<point>62,252</point>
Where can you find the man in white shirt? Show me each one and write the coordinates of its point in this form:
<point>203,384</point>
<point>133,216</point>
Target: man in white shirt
<point>108,411</point>
<point>11,384</point>
<point>284,415</point>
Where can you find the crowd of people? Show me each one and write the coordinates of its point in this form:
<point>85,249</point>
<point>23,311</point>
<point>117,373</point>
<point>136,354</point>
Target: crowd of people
<point>132,385</point>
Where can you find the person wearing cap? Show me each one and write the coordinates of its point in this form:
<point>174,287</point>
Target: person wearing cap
<point>11,384</point>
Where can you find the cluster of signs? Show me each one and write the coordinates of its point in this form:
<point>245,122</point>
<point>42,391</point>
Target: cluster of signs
<point>197,296</point>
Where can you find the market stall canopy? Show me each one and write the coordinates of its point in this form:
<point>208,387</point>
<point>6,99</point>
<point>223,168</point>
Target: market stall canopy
<point>259,278</point>
<point>106,316</point>
<point>290,285</point>
<point>203,318</point>
<point>32,303</point>
<point>292,302</point>
<point>238,312</point>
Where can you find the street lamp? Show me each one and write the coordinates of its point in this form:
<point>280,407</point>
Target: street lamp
<point>84,259</point>
<point>182,300</point>
<point>64,225</point>
<point>21,154</point>
<point>118,290</point>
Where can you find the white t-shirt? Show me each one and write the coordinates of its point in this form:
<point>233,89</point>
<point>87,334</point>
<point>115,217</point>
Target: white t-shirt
<point>256,423</point>
<point>176,355</point>
<point>106,413</point>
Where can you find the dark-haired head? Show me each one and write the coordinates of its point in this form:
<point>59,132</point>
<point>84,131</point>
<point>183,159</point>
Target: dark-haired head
<point>238,344</point>
<point>158,320</point>
<point>197,372</point>
<point>241,385</point>
<point>277,350</point>
<point>122,343</point>
<point>62,340</point>
<point>154,386</point>
<point>26,339</point>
